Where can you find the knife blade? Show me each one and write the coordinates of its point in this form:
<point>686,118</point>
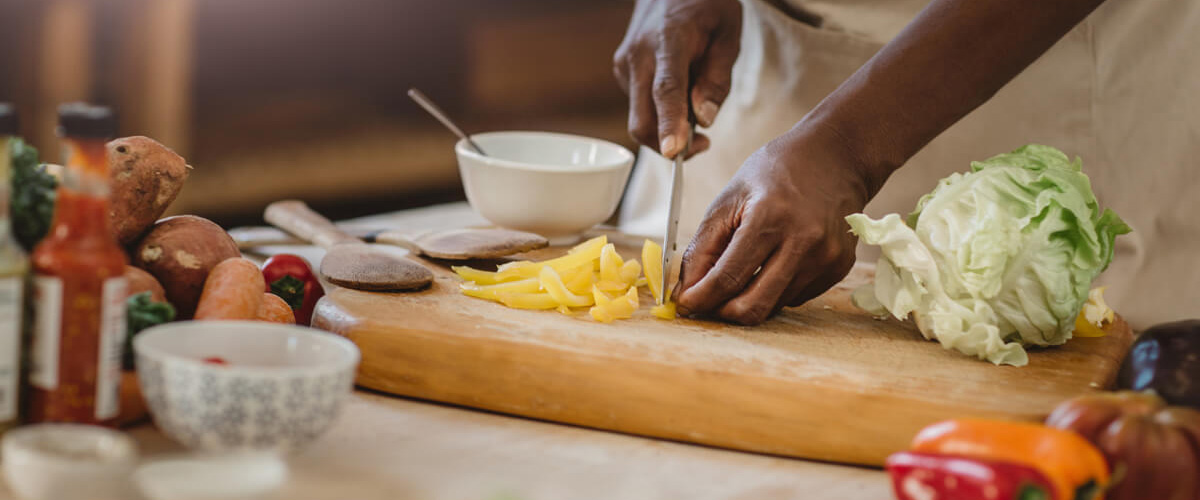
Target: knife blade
<point>668,244</point>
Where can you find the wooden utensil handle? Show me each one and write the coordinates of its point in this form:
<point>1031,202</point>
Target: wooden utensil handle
<point>295,217</point>
<point>396,238</point>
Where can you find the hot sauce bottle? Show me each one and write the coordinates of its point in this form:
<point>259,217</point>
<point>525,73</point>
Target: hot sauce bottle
<point>13,267</point>
<point>78,285</point>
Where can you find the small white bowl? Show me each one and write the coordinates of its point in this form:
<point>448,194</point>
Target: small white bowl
<point>68,461</point>
<point>282,387</point>
<point>555,185</point>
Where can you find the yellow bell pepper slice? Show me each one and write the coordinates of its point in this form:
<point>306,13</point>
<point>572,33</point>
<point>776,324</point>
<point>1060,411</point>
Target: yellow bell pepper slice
<point>528,300</point>
<point>630,272</point>
<point>552,283</point>
<point>609,309</point>
<point>600,298</point>
<point>613,286</point>
<point>579,280</point>
<point>472,274</point>
<point>610,263</point>
<point>665,311</point>
<point>589,245</point>
<point>652,264</point>
<point>1094,314</point>
<point>491,292</point>
<point>585,253</point>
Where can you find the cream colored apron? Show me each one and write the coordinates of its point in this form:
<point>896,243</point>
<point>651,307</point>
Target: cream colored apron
<point>1121,91</point>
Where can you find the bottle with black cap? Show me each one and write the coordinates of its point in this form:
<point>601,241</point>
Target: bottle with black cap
<point>79,285</point>
<point>14,265</point>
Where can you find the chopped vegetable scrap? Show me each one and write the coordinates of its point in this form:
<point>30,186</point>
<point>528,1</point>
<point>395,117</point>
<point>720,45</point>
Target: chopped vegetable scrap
<point>592,275</point>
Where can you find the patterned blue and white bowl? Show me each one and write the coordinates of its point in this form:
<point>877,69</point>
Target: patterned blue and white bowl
<point>282,387</point>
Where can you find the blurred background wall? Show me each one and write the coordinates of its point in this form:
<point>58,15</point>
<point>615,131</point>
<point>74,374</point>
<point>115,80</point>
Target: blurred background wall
<point>269,99</point>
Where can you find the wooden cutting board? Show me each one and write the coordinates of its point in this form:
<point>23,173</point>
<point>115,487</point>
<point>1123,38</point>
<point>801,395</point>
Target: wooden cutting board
<point>825,381</point>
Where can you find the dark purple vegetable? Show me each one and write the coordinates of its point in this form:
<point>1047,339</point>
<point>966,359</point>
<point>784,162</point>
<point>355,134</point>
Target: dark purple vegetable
<point>1166,358</point>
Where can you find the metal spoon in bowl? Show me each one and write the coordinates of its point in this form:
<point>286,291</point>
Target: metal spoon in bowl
<point>441,116</point>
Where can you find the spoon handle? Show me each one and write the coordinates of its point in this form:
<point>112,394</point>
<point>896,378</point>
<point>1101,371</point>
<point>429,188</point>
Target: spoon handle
<point>441,116</point>
<point>295,217</point>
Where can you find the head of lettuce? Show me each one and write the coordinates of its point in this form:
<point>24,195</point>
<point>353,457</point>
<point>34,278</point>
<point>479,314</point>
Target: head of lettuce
<point>994,259</point>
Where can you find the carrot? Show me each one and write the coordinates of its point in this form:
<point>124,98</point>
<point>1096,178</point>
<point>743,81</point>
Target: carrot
<point>276,310</point>
<point>233,290</point>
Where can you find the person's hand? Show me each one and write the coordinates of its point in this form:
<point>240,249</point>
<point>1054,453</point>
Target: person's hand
<point>673,48</point>
<point>777,235</point>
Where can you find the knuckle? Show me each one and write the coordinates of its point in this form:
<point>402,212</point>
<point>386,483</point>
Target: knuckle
<point>745,313</point>
<point>727,282</point>
<point>666,84</point>
<point>643,133</point>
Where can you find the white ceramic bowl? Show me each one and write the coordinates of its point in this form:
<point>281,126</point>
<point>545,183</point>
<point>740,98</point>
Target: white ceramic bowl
<point>68,462</point>
<point>282,387</point>
<point>555,185</point>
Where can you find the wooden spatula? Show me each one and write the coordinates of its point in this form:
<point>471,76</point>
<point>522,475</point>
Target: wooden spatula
<point>348,261</point>
<point>455,244</point>
<point>464,244</point>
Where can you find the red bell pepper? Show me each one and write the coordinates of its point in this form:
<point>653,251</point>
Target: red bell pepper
<point>290,277</point>
<point>930,476</point>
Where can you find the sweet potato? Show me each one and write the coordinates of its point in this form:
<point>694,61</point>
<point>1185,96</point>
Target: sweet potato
<point>276,310</point>
<point>145,177</point>
<point>180,251</point>
<point>140,281</point>
<point>233,290</point>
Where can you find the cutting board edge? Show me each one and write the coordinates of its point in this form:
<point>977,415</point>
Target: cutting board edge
<point>729,426</point>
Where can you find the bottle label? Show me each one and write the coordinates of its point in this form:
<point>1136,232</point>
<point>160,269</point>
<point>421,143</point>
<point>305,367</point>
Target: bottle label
<point>112,345</point>
<point>47,332</point>
<point>11,290</point>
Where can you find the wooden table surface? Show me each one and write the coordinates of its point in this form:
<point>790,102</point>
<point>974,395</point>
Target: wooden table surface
<point>385,447</point>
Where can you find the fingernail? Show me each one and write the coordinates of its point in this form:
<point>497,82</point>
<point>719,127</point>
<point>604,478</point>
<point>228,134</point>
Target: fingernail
<point>706,113</point>
<point>669,147</point>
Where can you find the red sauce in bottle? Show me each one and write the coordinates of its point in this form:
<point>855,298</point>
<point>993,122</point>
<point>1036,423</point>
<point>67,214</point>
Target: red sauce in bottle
<point>79,295</point>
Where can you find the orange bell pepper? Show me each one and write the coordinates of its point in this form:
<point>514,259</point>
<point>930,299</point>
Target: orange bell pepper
<point>1076,469</point>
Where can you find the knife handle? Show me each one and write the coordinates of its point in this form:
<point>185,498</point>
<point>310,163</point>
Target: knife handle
<point>295,217</point>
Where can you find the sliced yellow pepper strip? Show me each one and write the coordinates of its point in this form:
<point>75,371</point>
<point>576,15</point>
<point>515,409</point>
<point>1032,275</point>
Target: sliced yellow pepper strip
<point>553,284</point>
<point>665,311</point>
<point>528,300</point>
<point>491,292</point>
<point>613,286</point>
<point>579,280</point>
<point>610,263</point>
<point>1094,314</point>
<point>589,245</point>
<point>652,262</point>
<point>602,299</point>
<point>584,255</point>
<point>630,272</point>
<point>472,274</point>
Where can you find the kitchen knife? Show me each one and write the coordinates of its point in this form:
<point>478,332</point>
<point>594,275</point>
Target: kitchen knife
<point>668,245</point>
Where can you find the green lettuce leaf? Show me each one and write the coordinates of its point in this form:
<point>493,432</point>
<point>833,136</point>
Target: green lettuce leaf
<point>996,258</point>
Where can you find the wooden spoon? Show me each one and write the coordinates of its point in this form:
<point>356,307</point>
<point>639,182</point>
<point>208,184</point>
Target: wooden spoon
<point>348,261</point>
<point>455,244</point>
